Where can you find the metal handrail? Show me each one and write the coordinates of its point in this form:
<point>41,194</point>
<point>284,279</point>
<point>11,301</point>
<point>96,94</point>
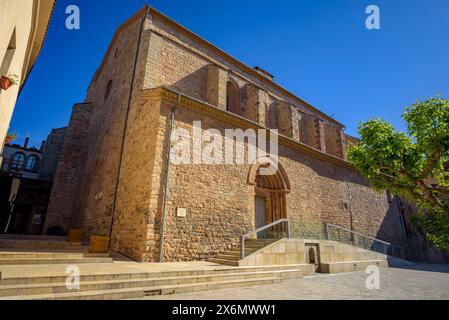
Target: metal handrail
<point>354,232</point>
<point>246,236</point>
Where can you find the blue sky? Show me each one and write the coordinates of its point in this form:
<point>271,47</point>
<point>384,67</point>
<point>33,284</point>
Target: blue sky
<point>319,50</point>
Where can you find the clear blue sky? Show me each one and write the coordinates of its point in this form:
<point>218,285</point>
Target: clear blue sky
<point>319,50</point>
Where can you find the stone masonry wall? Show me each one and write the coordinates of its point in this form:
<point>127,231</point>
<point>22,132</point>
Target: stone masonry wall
<point>312,132</point>
<point>333,141</point>
<point>69,168</point>
<point>217,199</point>
<point>199,72</point>
<point>98,179</point>
<point>138,202</point>
<point>53,146</point>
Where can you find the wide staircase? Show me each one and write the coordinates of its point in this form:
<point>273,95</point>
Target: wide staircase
<point>26,250</point>
<point>40,269</point>
<point>129,285</point>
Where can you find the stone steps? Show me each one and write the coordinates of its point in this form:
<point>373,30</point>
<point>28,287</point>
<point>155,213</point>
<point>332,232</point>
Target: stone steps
<point>55,288</point>
<point>232,256</point>
<point>135,285</point>
<point>38,244</point>
<point>226,256</point>
<point>64,260</point>
<point>33,238</point>
<point>31,255</point>
<point>142,275</point>
<point>130,293</point>
<point>224,262</point>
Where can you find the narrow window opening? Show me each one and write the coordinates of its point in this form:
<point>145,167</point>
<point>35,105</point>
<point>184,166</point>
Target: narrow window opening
<point>9,55</point>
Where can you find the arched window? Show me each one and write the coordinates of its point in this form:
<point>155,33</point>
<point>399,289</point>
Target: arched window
<point>32,164</point>
<point>232,97</point>
<point>108,90</point>
<point>17,160</point>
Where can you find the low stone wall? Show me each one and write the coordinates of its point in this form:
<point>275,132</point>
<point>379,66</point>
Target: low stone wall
<point>330,256</point>
<point>355,266</point>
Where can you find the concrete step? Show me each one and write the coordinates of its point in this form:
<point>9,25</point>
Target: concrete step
<point>256,246</point>
<point>236,252</point>
<point>144,275</point>
<point>34,238</point>
<point>129,293</point>
<point>39,261</point>
<point>49,255</point>
<point>232,257</point>
<point>38,244</point>
<point>55,288</point>
<point>22,255</point>
<point>226,256</point>
<point>260,241</point>
<point>224,261</point>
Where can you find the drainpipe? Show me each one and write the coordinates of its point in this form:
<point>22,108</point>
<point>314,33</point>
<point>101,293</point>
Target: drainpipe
<point>166,181</point>
<point>114,203</point>
<point>351,218</point>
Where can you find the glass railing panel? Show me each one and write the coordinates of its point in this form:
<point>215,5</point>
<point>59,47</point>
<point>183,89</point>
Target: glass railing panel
<point>258,240</point>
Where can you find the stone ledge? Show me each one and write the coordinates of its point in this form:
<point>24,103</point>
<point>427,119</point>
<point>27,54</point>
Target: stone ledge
<point>352,266</point>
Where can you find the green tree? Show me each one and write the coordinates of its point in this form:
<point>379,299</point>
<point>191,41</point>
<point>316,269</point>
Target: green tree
<point>412,165</point>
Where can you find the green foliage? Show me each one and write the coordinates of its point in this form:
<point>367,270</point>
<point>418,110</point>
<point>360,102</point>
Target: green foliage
<point>12,135</point>
<point>411,165</point>
<point>436,228</point>
<point>13,79</point>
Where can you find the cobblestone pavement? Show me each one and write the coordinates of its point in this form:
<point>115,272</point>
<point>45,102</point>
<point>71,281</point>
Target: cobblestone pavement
<point>426,282</point>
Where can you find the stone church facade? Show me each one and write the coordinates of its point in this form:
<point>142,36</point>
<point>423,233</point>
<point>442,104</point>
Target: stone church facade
<point>114,174</point>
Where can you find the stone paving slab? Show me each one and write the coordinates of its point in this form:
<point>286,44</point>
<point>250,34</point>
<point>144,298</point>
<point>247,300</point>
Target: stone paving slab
<point>422,282</point>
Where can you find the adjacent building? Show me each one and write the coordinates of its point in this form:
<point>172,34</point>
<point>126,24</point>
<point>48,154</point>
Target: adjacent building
<point>24,25</point>
<point>26,176</point>
<point>22,161</point>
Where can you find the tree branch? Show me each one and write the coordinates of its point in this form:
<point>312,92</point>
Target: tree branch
<point>432,162</point>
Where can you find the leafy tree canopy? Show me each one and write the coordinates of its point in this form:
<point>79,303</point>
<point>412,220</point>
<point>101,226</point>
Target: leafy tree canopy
<point>413,165</point>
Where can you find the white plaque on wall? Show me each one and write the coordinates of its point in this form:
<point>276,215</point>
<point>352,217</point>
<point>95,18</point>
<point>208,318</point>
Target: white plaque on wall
<point>182,212</point>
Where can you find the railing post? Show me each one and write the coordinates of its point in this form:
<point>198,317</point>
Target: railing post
<point>289,229</point>
<point>326,231</point>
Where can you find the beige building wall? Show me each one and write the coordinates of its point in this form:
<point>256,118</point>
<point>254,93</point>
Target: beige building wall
<point>23,28</point>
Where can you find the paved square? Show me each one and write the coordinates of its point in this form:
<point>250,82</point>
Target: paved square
<point>423,282</point>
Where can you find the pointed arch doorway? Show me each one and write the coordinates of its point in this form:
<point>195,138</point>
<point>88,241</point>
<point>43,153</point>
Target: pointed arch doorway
<point>267,195</point>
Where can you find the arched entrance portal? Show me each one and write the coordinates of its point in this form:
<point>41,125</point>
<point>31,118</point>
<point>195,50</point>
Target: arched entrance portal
<point>267,195</point>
